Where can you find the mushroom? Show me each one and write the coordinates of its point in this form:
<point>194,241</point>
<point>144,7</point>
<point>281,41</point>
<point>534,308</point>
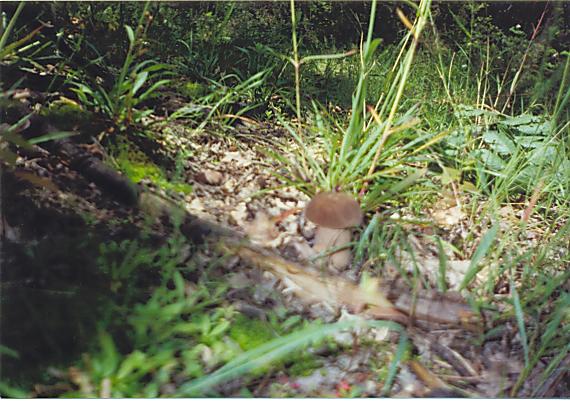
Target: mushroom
<point>334,213</point>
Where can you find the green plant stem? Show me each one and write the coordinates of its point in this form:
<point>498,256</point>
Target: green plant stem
<point>562,98</point>
<point>296,64</point>
<point>415,33</point>
<point>358,106</point>
<point>522,63</point>
<point>6,33</point>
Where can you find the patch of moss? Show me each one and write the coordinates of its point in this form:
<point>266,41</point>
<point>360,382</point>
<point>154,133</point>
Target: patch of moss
<point>192,90</point>
<point>304,365</point>
<point>137,167</point>
<point>66,114</point>
<point>137,170</point>
<point>179,187</point>
<point>250,333</point>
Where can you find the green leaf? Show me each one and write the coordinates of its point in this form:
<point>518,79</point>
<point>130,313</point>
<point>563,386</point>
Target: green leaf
<point>153,88</point>
<point>205,324</point>
<point>220,328</point>
<point>393,369</point>
<point>51,137</point>
<point>8,391</point>
<point>9,352</point>
<point>499,142</point>
<point>442,271</point>
<point>179,284</point>
<point>15,139</point>
<point>535,129</point>
<point>272,351</point>
<point>139,81</point>
<point>519,120</point>
<point>520,322</point>
<point>109,354</point>
<point>490,159</point>
<point>484,246</point>
<point>531,141</point>
<point>470,111</point>
<point>186,328</point>
<point>131,363</point>
<point>130,34</point>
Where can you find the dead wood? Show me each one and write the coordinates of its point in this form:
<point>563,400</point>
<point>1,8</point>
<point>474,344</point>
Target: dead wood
<point>307,282</point>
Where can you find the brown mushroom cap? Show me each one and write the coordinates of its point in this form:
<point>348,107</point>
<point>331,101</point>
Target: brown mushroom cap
<point>334,210</point>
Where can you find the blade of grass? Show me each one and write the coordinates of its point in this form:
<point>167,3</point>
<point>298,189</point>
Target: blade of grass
<point>441,274</point>
<point>484,246</point>
<point>274,350</point>
<point>402,345</point>
<point>51,136</point>
<point>519,314</point>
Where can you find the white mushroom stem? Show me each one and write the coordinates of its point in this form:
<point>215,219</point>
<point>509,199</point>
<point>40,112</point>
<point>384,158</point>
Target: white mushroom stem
<point>327,238</point>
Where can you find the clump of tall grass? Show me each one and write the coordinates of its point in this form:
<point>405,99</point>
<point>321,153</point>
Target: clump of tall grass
<point>368,155</point>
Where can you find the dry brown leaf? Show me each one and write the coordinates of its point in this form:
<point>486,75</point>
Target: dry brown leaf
<point>262,229</point>
<point>209,177</point>
<point>448,217</point>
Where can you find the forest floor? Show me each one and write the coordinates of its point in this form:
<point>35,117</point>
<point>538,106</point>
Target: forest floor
<point>55,222</point>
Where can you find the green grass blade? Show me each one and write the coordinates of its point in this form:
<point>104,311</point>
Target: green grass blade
<point>52,136</point>
<point>486,241</point>
<point>519,314</point>
<point>441,274</point>
<point>402,345</point>
<point>271,351</point>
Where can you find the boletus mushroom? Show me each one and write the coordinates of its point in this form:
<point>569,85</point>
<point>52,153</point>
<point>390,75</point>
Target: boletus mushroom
<point>334,213</point>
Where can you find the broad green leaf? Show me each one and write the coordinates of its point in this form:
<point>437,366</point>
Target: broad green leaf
<point>499,142</point>
<point>172,310</point>
<point>535,129</point>
<point>531,141</point>
<point>490,159</point>
<point>469,111</point>
<point>450,175</point>
<point>520,120</point>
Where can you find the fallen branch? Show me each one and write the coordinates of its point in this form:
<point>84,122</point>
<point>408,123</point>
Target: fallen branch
<point>307,282</point>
